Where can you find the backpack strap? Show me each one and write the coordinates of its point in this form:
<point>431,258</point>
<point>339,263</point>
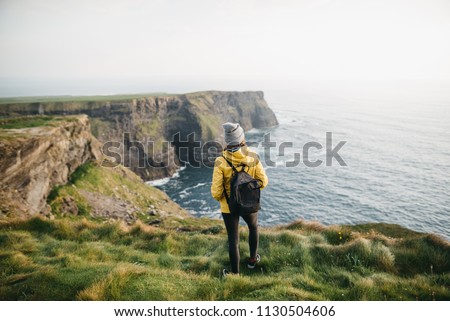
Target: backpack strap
<point>229,163</point>
<point>235,171</point>
<point>226,194</point>
<point>224,189</point>
<point>243,165</point>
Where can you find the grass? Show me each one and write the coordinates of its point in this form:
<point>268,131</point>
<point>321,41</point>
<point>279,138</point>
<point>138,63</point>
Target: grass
<point>32,121</point>
<point>119,183</point>
<point>95,98</point>
<point>107,181</point>
<point>78,259</point>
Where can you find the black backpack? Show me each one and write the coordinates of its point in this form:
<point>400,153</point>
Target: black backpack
<point>244,192</point>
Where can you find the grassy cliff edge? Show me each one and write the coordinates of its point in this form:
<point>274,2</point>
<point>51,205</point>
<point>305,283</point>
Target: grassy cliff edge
<point>80,259</point>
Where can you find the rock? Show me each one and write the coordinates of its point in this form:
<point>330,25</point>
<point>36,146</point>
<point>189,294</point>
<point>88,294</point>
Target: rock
<point>184,229</point>
<point>69,206</point>
<point>155,222</point>
<point>40,158</point>
<point>140,120</point>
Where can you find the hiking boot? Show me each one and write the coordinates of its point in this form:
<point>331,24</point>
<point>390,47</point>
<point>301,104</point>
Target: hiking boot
<point>253,261</point>
<point>225,272</point>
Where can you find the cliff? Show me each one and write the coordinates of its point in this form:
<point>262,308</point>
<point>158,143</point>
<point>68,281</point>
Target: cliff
<point>142,125</point>
<point>35,159</point>
<point>50,165</point>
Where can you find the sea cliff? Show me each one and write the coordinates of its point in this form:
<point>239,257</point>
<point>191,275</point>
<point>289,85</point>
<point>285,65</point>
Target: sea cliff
<point>141,124</point>
<point>35,159</point>
<point>51,165</point>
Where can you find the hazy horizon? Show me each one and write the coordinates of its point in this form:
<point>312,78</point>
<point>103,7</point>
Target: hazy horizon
<point>112,47</point>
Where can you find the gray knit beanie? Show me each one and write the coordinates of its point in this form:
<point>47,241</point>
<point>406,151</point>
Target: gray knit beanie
<point>234,134</point>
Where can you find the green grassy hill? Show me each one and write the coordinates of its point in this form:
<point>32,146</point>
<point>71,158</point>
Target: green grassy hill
<point>78,259</point>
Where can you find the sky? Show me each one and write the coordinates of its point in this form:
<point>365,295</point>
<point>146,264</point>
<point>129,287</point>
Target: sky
<point>218,43</point>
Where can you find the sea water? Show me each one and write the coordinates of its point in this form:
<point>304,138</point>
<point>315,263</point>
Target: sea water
<point>397,166</point>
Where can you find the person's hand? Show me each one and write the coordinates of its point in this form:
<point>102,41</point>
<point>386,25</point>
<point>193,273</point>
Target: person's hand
<point>256,185</point>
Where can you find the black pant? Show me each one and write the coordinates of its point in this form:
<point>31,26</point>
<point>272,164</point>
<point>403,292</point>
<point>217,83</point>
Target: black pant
<point>232,225</point>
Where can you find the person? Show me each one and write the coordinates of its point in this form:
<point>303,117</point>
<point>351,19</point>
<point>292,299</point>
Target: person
<point>242,158</point>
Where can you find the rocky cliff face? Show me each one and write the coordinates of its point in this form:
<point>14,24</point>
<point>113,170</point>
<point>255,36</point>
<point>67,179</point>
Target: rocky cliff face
<point>140,127</point>
<point>35,159</point>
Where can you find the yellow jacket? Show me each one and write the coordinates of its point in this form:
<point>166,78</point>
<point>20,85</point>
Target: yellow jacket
<point>223,172</point>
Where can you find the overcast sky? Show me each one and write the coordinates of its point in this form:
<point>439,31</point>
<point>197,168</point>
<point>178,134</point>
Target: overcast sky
<point>207,39</point>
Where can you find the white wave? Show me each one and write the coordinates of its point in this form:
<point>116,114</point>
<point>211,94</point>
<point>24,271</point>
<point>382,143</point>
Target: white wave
<point>159,182</point>
<point>185,191</point>
<point>198,185</point>
<point>165,180</point>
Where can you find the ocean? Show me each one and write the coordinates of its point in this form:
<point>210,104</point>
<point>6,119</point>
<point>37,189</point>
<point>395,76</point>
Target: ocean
<point>397,165</point>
